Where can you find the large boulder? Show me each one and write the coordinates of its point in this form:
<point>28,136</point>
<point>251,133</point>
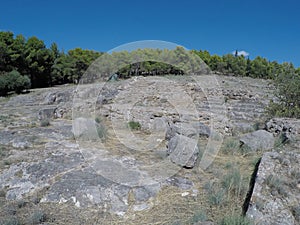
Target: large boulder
<point>85,129</point>
<point>275,196</point>
<point>258,140</point>
<point>183,151</point>
<point>46,113</point>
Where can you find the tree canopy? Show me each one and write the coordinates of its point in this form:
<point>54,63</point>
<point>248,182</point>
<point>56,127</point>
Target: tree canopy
<point>28,63</point>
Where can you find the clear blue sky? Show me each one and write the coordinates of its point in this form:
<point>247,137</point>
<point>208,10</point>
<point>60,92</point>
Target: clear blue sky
<point>267,28</point>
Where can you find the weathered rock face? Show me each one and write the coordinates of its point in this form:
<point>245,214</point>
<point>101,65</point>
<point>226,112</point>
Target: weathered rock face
<point>258,140</point>
<point>191,130</point>
<point>276,193</point>
<point>110,175</point>
<point>85,128</point>
<point>47,113</point>
<point>183,151</point>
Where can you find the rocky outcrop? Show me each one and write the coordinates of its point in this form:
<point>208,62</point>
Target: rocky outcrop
<point>191,130</point>
<point>134,171</point>
<point>258,140</point>
<point>287,127</point>
<point>276,192</point>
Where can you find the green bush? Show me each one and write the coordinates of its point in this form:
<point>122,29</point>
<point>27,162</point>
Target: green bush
<point>287,92</point>
<point>199,216</point>
<point>13,81</point>
<point>231,145</point>
<point>276,184</point>
<point>101,130</point>
<point>232,181</point>
<point>133,125</point>
<point>216,194</point>
<point>37,217</point>
<point>45,123</point>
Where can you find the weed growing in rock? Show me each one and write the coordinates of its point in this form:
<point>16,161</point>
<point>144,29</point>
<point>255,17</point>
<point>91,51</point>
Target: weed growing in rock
<point>280,140</point>
<point>101,130</point>
<point>277,185</point>
<point>134,125</point>
<point>45,123</point>
<point>257,126</point>
<point>98,120</point>
<point>2,151</point>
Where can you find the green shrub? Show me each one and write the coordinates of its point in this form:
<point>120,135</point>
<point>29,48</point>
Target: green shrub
<point>21,203</point>
<point>216,197</point>
<point>277,184</point>
<point>257,126</point>
<point>287,92</point>
<point>3,151</point>
<point>98,120</point>
<point>13,81</point>
<point>216,194</point>
<point>231,146</point>
<point>45,123</point>
<point>199,216</point>
<point>232,180</point>
<point>37,217</point>
<point>101,130</point>
<point>280,140</point>
<point>133,125</point>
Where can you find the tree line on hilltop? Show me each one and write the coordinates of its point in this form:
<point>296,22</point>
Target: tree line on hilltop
<point>28,63</point>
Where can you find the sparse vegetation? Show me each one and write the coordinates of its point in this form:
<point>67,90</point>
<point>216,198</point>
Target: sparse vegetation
<point>98,120</point>
<point>3,151</point>
<point>101,130</point>
<point>287,93</point>
<point>280,140</point>
<point>45,123</point>
<point>134,125</point>
<point>216,194</point>
<point>257,126</point>
<point>199,216</point>
<point>230,146</point>
<point>21,203</point>
<point>10,221</point>
<point>277,185</point>
<point>37,217</point>
<point>232,181</point>
<point>236,219</point>
<point>296,212</point>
